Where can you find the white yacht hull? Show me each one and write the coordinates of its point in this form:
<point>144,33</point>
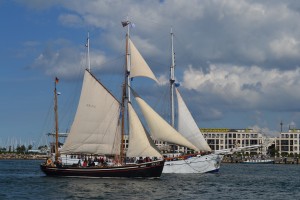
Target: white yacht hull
<point>198,164</point>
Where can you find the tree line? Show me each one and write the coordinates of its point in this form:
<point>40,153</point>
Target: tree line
<point>21,149</point>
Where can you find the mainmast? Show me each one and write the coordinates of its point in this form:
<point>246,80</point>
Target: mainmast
<point>126,88</point>
<point>128,63</point>
<point>172,80</point>
<point>56,120</point>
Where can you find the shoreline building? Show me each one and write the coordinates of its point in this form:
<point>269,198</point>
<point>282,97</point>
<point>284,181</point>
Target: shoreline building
<point>288,142</point>
<point>223,138</point>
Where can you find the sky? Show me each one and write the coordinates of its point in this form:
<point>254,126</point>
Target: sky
<point>237,61</point>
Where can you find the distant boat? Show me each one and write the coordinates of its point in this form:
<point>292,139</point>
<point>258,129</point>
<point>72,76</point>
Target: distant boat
<point>98,131</point>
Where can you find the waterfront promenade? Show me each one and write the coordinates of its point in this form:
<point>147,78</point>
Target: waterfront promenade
<point>17,156</point>
<point>277,160</point>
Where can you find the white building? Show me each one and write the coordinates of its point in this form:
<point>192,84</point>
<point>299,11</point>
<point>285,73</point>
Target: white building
<point>223,138</point>
<point>218,139</point>
<point>288,142</point>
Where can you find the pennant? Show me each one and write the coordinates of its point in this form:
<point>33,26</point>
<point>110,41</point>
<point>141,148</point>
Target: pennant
<point>177,84</point>
<point>56,80</point>
<point>125,23</point>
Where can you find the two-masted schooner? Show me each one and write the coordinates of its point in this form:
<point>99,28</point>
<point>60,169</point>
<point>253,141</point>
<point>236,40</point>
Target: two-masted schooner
<point>98,129</point>
<point>187,134</point>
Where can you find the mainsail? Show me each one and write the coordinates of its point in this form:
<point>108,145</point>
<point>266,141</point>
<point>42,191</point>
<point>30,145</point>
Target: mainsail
<point>139,143</point>
<point>96,127</point>
<point>138,66</point>
<point>159,128</point>
<point>188,127</point>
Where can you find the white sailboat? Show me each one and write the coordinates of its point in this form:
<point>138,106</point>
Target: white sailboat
<point>187,135</point>
<point>98,130</point>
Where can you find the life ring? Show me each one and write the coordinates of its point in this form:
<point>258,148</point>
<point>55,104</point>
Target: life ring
<point>49,161</point>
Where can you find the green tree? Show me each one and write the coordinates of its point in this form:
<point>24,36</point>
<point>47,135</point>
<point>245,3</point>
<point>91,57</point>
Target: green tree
<point>272,150</point>
<point>29,147</point>
<point>21,149</point>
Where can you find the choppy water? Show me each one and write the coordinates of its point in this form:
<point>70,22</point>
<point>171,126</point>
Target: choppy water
<point>22,179</point>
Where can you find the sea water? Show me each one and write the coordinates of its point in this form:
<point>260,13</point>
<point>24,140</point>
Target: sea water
<point>22,179</point>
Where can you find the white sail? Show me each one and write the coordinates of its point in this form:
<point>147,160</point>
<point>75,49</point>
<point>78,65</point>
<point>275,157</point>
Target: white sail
<point>138,66</point>
<point>188,127</point>
<point>159,128</point>
<point>96,127</point>
<point>139,143</point>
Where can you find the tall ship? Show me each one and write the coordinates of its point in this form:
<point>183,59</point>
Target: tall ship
<point>98,129</point>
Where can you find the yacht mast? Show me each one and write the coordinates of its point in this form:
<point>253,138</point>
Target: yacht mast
<point>56,120</point>
<point>126,88</point>
<point>172,80</point>
<point>88,52</point>
<point>128,63</point>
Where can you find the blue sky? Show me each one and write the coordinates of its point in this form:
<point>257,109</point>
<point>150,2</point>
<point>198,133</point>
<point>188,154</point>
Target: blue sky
<point>237,60</point>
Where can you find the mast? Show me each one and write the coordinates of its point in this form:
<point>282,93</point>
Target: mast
<point>126,89</point>
<point>56,120</point>
<point>172,80</point>
<point>128,60</point>
<point>123,124</point>
<point>88,52</point>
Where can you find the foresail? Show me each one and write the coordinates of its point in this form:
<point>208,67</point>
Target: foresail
<point>188,127</point>
<point>138,66</point>
<point>139,143</point>
<point>159,128</point>
<point>96,128</point>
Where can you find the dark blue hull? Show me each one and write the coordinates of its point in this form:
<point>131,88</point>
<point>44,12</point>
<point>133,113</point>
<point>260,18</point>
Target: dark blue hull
<point>144,170</point>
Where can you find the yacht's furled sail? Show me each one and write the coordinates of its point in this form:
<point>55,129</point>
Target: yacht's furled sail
<point>139,143</point>
<point>188,127</point>
<point>96,127</point>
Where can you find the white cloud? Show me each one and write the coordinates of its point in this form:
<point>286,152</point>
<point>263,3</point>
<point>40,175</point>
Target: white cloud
<point>71,20</point>
<point>285,47</point>
<point>163,80</point>
<point>246,87</point>
<point>67,61</point>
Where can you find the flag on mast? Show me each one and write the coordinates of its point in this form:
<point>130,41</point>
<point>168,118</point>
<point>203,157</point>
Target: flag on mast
<point>56,80</point>
<point>125,23</point>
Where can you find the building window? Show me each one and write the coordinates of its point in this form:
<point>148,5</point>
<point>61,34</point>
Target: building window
<point>284,142</point>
